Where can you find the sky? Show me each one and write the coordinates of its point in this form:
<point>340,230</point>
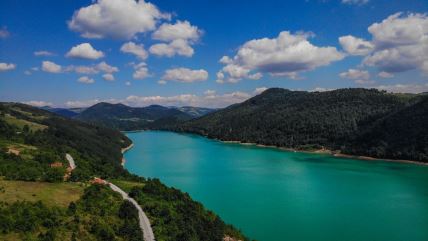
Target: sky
<point>75,53</point>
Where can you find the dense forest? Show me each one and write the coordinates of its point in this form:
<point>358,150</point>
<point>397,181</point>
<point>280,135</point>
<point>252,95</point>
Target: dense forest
<point>33,145</point>
<point>340,120</point>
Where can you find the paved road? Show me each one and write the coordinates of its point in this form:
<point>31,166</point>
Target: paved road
<point>144,221</point>
<point>70,161</point>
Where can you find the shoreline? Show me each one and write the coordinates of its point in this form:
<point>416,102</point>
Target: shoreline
<point>326,151</point>
<point>123,150</point>
<point>319,151</point>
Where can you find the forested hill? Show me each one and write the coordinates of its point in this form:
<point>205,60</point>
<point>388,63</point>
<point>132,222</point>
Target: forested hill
<point>43,138</point>
<point>122,117</point>
<point>311,120</point>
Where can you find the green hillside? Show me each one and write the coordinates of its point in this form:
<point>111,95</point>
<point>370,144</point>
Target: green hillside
<point>310,120</point>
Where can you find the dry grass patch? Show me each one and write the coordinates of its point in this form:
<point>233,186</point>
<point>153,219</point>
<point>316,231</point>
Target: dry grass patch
<point>51,194</point>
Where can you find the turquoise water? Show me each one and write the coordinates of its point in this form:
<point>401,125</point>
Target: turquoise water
<point>275,195</point>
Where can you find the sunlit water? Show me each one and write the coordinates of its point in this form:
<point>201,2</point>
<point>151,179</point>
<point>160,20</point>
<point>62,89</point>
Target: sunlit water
<point>274,195</point>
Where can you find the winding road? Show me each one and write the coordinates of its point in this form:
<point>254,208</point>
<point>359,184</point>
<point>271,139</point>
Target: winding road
<point>144,221</point>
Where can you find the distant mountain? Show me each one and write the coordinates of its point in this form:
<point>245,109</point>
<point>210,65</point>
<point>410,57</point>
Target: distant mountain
<point>122,117</point>
<point>195,111</point>
<point>342,119</point>
<point>61,111</point>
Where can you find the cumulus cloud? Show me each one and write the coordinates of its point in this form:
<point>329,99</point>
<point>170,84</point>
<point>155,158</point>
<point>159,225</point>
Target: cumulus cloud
<point>38,103</point>
<point>43,53</point>
<point>400,43</point>
<point>104,67</point>
<point>176,47</point>
<point>92,69</point>
<point>4,33</point>
<point>355,2</point>
<point>180,36</point>
<point>355,74</point>
<point>184,75</point>
<point>404,88</point>
<point>179,30</point>
<point>86,80</point>
<point>51,67</point>
<point>287,55</point>
<point>7,66</point>
<point>135,49</point>
<point>84,51</point>
<point>355,46</point>
<point>119,19</point>
<point>141,71</point>
<point>361,77</point>
<point>108,77</point>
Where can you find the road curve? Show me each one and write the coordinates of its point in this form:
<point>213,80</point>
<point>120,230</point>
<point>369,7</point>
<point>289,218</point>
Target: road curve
<point>144,221</point>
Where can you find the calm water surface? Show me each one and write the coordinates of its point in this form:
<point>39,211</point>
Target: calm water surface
<point>275,195</point>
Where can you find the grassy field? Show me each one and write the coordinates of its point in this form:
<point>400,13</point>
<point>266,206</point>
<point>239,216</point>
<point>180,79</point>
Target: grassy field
<point>126,185</point>
<point>21,123</point>
<point>52,194</point>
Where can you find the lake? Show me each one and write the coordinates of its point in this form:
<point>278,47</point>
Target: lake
<point>275,195</point>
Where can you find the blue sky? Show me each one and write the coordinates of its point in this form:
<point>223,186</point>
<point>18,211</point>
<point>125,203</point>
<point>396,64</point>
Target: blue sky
<point>301,49</point>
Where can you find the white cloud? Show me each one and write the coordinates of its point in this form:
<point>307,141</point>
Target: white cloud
<point>287,55</point>
<point>108,77</point>
<point>135,49</point>
<point>384,74</point>
<point>51,67</point>
<point>355,74</point>
<point>404,88</point>
<point>127,83</point>
<point>180,36</point>
<point>43,53</point>
<point>104,67</point>
<point>400,43</point>
<point>38,103</point>
<point>7,67</point>
<point>86,80</point>
<point>260,90</point>
<point>176,47</point>
<point>84,51</point>
<point>120,19</point>
<point>4,33</point>
<point>180,30</point>
<point>185,75</point>
<point>355,46</point>
<point>355,2</point>
<point>141,71</point>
